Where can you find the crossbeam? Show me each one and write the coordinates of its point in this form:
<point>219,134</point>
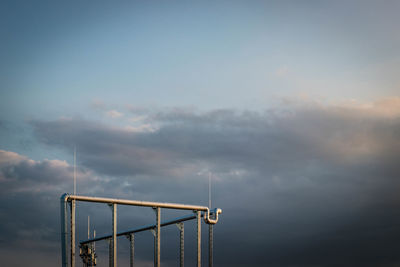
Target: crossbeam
<point>141,229</point>
<point>136,203</point>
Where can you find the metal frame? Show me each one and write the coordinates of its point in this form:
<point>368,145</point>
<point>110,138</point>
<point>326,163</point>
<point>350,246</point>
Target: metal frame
<point>200,211</point>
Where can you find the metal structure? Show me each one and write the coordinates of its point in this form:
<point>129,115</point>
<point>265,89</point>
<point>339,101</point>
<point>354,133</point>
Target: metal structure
<point>87,252</point>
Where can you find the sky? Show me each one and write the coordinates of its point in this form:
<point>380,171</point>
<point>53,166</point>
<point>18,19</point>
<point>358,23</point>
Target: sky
<point>293,107</point>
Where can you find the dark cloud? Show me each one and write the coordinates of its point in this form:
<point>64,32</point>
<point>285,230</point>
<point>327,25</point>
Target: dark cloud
<point>305,186</point>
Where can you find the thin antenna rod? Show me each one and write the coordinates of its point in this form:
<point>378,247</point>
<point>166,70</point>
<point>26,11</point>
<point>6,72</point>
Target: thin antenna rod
<point>74,170</point>
<point>209,190</point>
<point>88,227</point>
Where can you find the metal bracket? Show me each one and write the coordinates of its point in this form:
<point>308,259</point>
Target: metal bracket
<point>129,236</point>
<point>180,226</point>
<point>155,210</point>
<point>153,231</point>
<point>110,205</point>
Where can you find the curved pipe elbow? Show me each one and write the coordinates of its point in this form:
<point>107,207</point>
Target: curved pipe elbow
<point>64,197</point>
<point>207,216</point>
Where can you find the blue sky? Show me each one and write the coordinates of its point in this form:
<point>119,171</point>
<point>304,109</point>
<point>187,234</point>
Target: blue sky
<point>60,57</point>
<point>287,102</point>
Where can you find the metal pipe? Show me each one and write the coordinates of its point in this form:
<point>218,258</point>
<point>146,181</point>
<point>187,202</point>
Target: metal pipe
<point>198,239</point>
<point>210,244</point>
<point>181,228</point>
<point>138,203</point>
<point>110,254</point>
<point>207,218</point>
<point>154,247</point>
<point>64,230</point>
<point>73,233</point>
<point>142,229</point>
<point>132,249</point>
<point>158,234</point>
<point>182,246</point>
<point>114,233</point>
<point>94,250</point>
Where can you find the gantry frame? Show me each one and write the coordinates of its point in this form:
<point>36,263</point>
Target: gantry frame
<point>200,211</point>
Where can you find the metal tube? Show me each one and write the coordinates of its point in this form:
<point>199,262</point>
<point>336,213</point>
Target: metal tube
<point>198,239</point>
<point>182,246</point>
<point>132,249</point>
<point>141,229</point>
<point>155,248</point>
<point>64,230</point>
<point>158,234</point>
<point>138,203</point>
<point>73,233</point>
<point>114,233</point>
<point>110,254</point>
<point>94,249</point>
<point>210,245</point>
<point>207,218</point>
<point>181,228</point>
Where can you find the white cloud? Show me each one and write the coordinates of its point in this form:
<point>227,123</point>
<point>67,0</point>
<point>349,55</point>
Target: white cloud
<point>141,128</point>
<point>11,158</point>
<point>386,107</point>
<point>114,114</point>
<point>22,174</point>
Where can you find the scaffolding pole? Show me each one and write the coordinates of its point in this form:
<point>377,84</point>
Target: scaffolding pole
<point>158,233</point>
<point>210,245</point>
<point>64,233</point>
<point>114,235</point>
<point>181,228</point>
<point>198,239</point>
<point>110,256</point>
<point>72,233</point>
<point>132,249</point>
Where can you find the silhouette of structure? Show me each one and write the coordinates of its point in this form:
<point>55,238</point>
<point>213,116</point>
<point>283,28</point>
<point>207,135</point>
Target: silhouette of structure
<point>87,247</point>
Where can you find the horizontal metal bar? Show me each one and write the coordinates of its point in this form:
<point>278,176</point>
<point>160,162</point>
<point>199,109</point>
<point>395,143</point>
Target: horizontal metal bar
<point>136,203</point>
<point>141,229</point>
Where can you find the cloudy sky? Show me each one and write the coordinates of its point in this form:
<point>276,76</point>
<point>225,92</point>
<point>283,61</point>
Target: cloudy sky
<point>292,106</point>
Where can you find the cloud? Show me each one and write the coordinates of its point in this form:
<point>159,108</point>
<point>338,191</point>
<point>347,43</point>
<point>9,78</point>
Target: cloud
<point>9,158</point>
<point>299,182</point>
<point>27,192</point>
<point>225,138</point>
<point>388,107</point>
<point>114,114</point>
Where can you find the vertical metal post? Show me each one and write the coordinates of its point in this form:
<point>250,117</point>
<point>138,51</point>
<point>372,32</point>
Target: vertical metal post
<point>158,233</point>
<point>155,249</point>
<point>64,234</point>
<point>198,239</point>
<point>110,253</point>
<point>73,233</point>
<point>92,254</point>
<point>210,245</point>
<point>114,235</point>
<point>181,228</point>
<point>132,250</point>
<point>153,231</point>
